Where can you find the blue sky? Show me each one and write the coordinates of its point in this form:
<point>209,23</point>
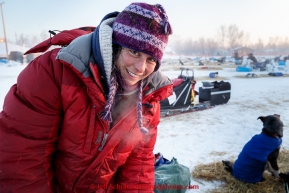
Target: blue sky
<point>189,18</point>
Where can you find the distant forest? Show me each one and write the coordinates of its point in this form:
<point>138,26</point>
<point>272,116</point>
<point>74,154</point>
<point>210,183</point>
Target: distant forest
<point>227,38</point>
<point>30,40</point>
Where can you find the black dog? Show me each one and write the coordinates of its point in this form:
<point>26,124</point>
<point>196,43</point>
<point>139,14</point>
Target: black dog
<point>260,153</point>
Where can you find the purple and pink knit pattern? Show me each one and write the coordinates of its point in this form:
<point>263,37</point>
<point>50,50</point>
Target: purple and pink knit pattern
<point>143,27</point>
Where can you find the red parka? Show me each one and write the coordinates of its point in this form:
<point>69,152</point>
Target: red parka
<point>53,140</point>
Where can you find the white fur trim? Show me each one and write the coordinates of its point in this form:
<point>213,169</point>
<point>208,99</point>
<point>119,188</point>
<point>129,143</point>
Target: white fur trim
<point>105,43</point>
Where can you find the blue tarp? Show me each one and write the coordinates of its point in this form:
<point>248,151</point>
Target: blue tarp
<point>282,63</point>
<point>5,61</point>
<point>243,69</point>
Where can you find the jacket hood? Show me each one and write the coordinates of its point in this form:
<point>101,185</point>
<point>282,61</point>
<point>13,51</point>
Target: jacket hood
<point>77,54</point>
<point>95,47</point>
<point>102,48</point>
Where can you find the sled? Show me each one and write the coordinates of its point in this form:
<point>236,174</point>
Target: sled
<point>184,95</point>
<point>275,74</point>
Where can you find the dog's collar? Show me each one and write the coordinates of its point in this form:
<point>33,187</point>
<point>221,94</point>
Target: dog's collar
<point>269,134</point>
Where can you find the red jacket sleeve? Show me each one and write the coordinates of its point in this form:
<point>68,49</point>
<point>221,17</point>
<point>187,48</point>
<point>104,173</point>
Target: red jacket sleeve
<point>29,124</point>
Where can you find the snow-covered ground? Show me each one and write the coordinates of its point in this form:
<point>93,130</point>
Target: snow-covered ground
<point>198,137</point>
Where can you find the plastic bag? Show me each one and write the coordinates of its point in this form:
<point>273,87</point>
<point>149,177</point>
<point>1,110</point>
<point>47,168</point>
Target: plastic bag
<point>172,178</point>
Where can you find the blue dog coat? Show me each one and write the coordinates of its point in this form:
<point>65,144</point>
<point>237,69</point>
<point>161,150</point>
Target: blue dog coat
<point>251,162</point>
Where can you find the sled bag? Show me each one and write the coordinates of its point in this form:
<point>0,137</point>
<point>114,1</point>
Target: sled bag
<point>275,74</point>
<point>172,178</point>
<point>180,98</point>
<point>219,93</point>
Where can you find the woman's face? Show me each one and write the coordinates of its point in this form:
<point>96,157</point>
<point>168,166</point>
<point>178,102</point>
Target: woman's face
<point>134,66</point>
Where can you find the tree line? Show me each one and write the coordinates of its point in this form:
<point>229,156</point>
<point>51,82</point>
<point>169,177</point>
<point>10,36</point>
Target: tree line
<point>228,38</point>
<point>30,40</point>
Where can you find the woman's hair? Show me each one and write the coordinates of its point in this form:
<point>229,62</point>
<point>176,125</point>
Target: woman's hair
<point>116,49</point>
<point>115,71</point>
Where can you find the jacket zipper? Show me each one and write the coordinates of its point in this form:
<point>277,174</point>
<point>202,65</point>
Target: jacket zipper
<point>103,142</point>
<point>105,135</point>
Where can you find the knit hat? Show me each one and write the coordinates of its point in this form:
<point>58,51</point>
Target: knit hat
<point>144,28</point>
<point>272,125</point>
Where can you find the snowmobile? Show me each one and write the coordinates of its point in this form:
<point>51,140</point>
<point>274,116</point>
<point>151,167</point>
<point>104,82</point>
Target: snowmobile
<point>184,98</point>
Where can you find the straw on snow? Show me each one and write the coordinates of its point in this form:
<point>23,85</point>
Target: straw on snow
<point>215,172</point>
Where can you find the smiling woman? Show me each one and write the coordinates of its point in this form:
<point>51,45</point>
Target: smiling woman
<point>89,111</point>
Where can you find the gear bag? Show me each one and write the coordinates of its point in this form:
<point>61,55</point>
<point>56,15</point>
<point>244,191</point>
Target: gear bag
<point>172,177</point>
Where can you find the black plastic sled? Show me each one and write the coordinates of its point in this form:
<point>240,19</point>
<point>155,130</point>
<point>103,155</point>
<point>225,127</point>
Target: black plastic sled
<point>184,98</point>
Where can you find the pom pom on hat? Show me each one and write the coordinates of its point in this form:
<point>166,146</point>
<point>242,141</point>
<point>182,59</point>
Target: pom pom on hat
<point>144,28</point>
